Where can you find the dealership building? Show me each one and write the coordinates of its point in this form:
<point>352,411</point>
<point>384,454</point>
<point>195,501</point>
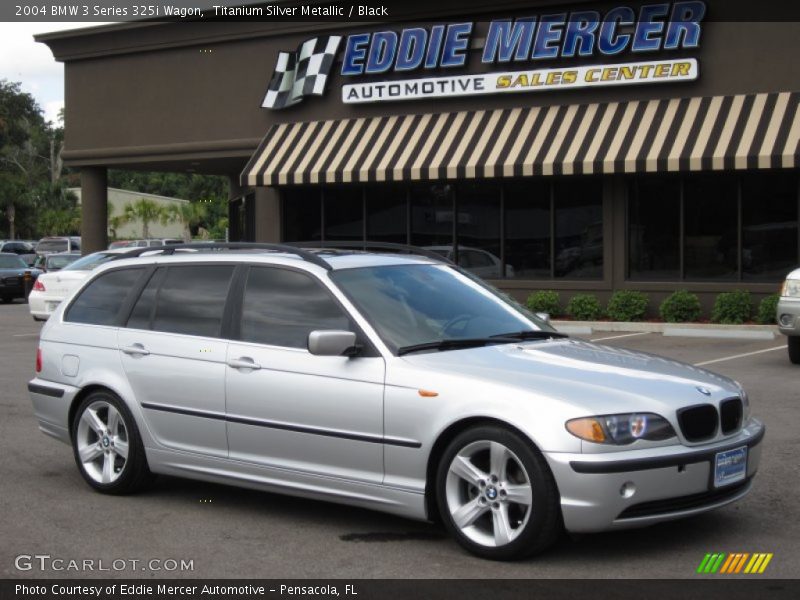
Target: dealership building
<point>580,147</point>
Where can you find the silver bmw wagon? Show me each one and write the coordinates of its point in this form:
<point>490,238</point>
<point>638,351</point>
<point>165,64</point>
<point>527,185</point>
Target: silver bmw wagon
<point>388,381</point>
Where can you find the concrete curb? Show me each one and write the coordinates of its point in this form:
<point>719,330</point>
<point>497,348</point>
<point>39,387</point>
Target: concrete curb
<point>706,330</point>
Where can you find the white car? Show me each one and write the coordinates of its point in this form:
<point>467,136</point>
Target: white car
<point>789,314</point>
<point>51,288</point>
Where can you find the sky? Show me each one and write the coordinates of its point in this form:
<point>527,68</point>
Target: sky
<point>32,64</point>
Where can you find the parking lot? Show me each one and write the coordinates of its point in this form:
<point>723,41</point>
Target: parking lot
<point>229,532</point>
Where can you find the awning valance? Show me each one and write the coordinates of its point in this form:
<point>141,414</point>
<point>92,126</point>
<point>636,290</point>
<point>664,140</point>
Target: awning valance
<point>757,131</point>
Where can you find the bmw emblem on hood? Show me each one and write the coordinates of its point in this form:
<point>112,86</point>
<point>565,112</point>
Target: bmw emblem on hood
<point>704,391</point>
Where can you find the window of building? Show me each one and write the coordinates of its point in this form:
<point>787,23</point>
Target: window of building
<point>281,307</point>
<point>479,217</point>
<point>387,213</point>
<point>527,229</point>
<point>578,206</point>
<point>100,302</point>
<point>302,214</point>
<point>432,210</point>
<point>735,227</point>
<point>769,225</point>
<point>190,300</point>
<point>344,213</point>
<point>654,228</point>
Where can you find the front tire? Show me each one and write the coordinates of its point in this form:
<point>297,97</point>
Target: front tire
<point>107,447</point>
<point>496,494</point>
<point>794,349</point>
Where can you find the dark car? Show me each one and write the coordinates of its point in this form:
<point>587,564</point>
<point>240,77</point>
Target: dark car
<point>12,276</point>
<point>22,248</point>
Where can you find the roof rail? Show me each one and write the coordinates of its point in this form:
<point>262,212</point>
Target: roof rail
<point>365,246</point>
<point>173,248</point>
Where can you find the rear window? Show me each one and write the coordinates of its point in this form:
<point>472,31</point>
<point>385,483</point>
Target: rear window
<point>89,262</point>
<point>187,299</point>
<point>12,262</point>
<point>99,303</point>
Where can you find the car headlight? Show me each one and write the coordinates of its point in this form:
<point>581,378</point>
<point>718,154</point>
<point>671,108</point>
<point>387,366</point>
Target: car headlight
<point>791,288</point>
<point>621,429</point>
<point>745,402</point>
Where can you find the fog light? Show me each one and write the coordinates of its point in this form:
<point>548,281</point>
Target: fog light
<point>786,320</point>
<point>627,490</point>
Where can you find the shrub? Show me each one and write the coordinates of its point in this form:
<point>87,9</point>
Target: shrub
<point>680,307</point>
<point>626,305</point>
<point>732,307</point>
<point>584,307</point>
<point>768,309</point>
<point>545,301</point>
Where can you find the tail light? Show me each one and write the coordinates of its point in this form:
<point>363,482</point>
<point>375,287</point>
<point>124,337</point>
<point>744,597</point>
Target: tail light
<point>38,286</point>
<point>38,360</point>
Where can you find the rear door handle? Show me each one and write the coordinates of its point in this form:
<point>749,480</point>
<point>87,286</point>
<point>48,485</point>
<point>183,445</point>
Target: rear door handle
<point>244,362</point>
<point>135,350</point>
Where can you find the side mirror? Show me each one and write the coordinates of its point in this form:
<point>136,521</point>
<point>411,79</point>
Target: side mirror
<point>544,317</point>
<point>332,343</point>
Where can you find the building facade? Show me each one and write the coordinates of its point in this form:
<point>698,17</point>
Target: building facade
<point>551,145</point>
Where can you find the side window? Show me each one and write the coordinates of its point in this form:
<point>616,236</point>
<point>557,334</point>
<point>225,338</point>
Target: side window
<point>281,307</point>
<point>100,302</point>
<point>142,314</point>
<point>189,300</point>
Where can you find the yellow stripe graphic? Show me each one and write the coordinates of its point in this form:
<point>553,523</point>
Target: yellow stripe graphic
<point>765,563</point>
<point>751,566</point>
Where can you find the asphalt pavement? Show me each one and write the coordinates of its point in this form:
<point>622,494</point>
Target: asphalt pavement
<point>228,532</point>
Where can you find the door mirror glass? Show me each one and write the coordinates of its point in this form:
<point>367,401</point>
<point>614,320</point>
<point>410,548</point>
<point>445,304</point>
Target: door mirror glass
<point>332,343</point>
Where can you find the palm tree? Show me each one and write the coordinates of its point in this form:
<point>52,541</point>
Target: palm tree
<point>146,211</point>
<point>188,214</point>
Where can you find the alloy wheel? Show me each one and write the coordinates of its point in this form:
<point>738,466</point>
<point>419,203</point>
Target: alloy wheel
<point>102,442</point>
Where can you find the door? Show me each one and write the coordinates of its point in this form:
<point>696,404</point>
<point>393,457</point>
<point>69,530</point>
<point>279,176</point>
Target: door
<point>288,408</point>
<point>174,358</point>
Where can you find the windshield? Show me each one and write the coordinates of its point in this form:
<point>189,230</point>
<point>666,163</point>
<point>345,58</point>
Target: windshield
<point>87,263</point>
<point>12,262</point>
<point>419,304</point>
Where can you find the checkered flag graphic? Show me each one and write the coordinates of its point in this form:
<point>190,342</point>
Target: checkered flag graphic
<point>302,73</point>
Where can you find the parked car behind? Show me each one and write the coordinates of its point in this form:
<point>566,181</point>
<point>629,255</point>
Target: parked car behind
<point>789,314</point>
<point>480,262</point>
<point>49,263</point>
<point>12,276</point>
<point>49,245</point>
<point>51,288</point>
<point>24,249</point>
<point>143,243</point>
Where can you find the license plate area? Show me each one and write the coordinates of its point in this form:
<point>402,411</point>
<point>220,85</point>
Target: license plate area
<point>730,466</point>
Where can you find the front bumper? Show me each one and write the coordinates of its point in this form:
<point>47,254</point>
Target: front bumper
<point>669,482</point>
<point>789,316</point>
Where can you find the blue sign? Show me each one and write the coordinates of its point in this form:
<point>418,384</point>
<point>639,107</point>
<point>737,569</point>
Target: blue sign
<point>656,27</point>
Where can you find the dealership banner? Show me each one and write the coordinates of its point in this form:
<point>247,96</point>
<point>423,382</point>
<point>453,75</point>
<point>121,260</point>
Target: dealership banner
<point>522,81</point>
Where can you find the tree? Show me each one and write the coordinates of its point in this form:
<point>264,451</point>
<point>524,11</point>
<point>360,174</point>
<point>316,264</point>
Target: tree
<point>189,215</point>
<point>146,211</point>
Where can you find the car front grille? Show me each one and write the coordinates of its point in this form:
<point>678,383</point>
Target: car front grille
<point>698,423</point>
<point>672,505</point>
<point>730,415</point>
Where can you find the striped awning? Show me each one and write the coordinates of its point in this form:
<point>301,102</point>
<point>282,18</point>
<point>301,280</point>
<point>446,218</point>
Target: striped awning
<point>758,131</point>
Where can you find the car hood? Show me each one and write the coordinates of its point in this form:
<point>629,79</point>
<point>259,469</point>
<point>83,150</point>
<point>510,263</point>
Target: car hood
<point>596,378</point>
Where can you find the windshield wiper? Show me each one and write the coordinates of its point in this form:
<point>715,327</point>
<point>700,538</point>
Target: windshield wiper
<point>456,344</point>
<point>531,335</point>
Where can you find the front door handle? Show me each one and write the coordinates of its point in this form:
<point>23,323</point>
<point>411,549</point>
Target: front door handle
<point>244,362</point>
<point>135,350</point>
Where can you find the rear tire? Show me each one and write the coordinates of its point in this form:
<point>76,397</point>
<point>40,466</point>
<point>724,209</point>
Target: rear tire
<point>107,446</point>
<point>496,495</point>
<point>794,349</point>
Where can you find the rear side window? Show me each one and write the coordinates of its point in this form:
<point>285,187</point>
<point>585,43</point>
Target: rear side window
<point>187,299</point>
<point>99,303</point>
<point>281,307</point>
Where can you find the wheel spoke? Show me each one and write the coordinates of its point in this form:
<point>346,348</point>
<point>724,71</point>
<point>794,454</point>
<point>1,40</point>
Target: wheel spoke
<point>468,513</point>
<point>93,421</point>
<point>463,467</point>
<point>498,460</point>
<point>519,494</point>
<point>90,452</point>
<point>121,447</point>
<point>502,525</point>
<point>108,467</point>
<point>112,420</point>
